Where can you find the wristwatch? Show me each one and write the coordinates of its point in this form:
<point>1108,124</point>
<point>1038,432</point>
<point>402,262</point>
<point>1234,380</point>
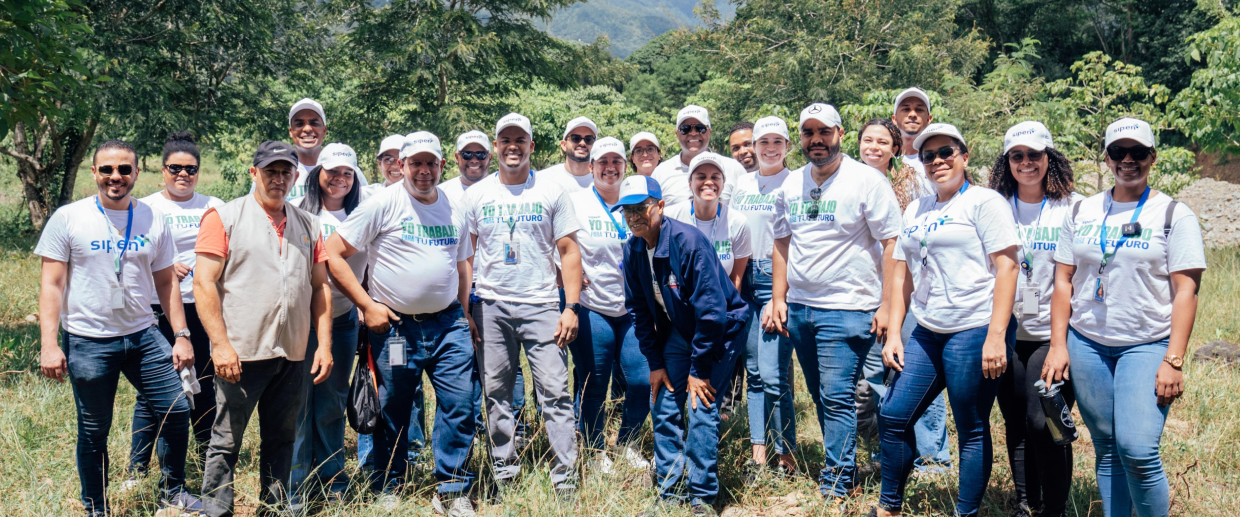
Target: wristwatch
<point>181,333</point>
<point>575,307</point>
<point>1175,361</point>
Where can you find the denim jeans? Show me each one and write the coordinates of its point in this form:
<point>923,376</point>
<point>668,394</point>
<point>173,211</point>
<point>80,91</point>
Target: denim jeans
<point>439,345</point>
<point>95,367</point>
<point>601,342</point>
<point>417,438</point>
<point>1115,390</point>
<point>832,345</point>
<point>698,452</point>
<point>762,422</point>
<point>934,362</point>
<point>318,452</point>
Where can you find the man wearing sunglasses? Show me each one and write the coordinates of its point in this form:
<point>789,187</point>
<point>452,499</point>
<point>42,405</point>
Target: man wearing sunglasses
<point>693,133</point>
<point>106,260</point>
<point>473,161</point>
<point>912,115</point>
<point>574,174</point>
<point>836,223</point>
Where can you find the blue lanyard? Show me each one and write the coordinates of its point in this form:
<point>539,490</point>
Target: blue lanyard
<point>619,229</point>
<point>512,221</point>
<point>1102,238</point>
<point>925,251</point>
<point>713,222</point>
<point>1026,263</point>
<point>116,262</point>
<point>718,209</point>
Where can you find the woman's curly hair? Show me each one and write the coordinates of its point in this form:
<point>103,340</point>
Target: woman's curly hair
<point>1059,182</point>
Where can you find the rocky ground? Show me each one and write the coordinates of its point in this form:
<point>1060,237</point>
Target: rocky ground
<point>1216,204</point>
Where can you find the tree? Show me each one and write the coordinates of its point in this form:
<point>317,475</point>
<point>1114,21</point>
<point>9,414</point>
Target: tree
<point>1208,111</point>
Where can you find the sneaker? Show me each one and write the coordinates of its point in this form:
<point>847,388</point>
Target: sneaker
<point>699,507</point>
<point>635,459</point>
<point>181,504</point>
<point>388,502</point>
<point>602,463</point>
<point>566,491</point>
<point>458,505</point>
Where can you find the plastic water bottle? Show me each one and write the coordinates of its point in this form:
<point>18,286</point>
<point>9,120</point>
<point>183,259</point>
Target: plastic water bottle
<point>1058,414</point>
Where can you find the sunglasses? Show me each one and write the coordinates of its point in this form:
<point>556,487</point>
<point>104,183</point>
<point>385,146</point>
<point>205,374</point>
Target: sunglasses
<point>577,139</point>
<point>1137,152</point>
<point>689,128</point>
<point>176,170</point>
<point>814,194</point>
<point>474,155</point>
<point>106,170</point>
<point>1019,156</point>
<point>944,152</point>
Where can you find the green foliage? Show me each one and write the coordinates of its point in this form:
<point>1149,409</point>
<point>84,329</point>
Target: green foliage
<point>1208,111</point>
<point>669,71</point>
<point>41,63</point>
<point>549,110</point>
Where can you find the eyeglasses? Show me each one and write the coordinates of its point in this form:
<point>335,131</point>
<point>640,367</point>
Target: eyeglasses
<point>814,194</point>
<point>1137,152</point>
<point>636,210</point>
<point>944,152</point>
<point>388,160</point>
<point>689,128</point>
<point>475,155</point>
<point>106,170</point>
<point>646,150</point>
<point>177,169</point>
<point>577,139</point>
<point>1019,156</point>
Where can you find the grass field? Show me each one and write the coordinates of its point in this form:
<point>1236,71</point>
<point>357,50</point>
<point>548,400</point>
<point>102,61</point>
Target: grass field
<point>1200,447</point>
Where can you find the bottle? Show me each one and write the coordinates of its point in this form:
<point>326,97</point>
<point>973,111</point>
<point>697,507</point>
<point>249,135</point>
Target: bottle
<point>1058,414</point>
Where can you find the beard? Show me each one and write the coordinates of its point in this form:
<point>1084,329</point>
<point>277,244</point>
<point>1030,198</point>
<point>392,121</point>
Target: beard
<point>574,157</point>
<point>832,152</point>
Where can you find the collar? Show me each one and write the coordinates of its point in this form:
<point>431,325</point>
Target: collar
<point>663,248</point>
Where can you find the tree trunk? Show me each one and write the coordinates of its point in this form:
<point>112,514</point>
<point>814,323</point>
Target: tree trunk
<point>76,150</point>
<point>38,164</point>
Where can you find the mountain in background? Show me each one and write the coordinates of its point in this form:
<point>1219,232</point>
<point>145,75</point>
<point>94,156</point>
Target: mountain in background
<point>628,24</point>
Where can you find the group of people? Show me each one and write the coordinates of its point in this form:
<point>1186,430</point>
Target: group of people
<point>682,285</point>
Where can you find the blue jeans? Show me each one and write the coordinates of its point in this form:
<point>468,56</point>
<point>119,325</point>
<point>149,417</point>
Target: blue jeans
<point>832,345</point>
<point>319,446</point>
<point>417,437</point>
<point>441,346</point>
<point>1115,390</point>
<point>700,449</point>
<point>601,342</point>
<point>95,366</point>
<point>934,362</point>
<point>757,291</point>
<point>933,452</point>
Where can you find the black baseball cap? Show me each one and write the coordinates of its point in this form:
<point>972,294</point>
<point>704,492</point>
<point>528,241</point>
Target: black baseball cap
<point>272,151</point>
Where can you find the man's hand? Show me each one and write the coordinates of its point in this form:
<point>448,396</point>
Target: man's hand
<point>566,329</point>
<point>227,364</point>
<point>322,367</point>
<point>775,323</point>
<point>182,353</point>
<point>700,389</point>
<point>475,334</point>
<point>181,270</point>
<point>994,357</point>
<point>379,317</point>
<point>659,379</point>
<point>53,363</point>
<point>1169,384</point>
<point>878,326</point>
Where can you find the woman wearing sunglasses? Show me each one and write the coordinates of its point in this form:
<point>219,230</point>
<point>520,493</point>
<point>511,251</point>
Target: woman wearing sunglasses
<point>182,208</point>
<point>1121,314</point>
<point>1037,182</point>
<point>644,153</point>
<point>956,264</point>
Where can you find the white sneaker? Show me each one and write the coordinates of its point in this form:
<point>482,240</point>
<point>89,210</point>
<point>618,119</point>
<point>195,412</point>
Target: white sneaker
<point>602,463</point>
<point>457,507</point>
<point>635,459</point>
<point>388,502</point>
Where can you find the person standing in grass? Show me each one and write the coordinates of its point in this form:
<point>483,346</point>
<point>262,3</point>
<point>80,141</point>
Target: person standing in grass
<point>260,284</point>
<point>182,209</point>
<point>1130,261</point>
<point>106,260</point>
<point>644,153</point>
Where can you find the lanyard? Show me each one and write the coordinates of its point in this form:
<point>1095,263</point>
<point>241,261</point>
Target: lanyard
<point>619,229</point>
<point>512,222</point>
<point>116,262</point>
<point>925,251</point>
<point>1026,264</point>
<point>713,222</point>
<point>1102,239</point>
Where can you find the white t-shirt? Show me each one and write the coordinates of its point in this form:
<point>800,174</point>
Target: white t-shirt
<point>330,222</point>
<point>728,232</point>
<point>673,178</point>
<point>1136,308</point>
<point>602,251</point>
<point>1039,236</point>
<point>836,261</point>
<point>413,249</point>
<point>955,290</point>
<point>754,196</point>
<point>517,263</point>
<point>183,218</point>
<point>570,183</point>
<point>925,186</point>
<point>79,235</point>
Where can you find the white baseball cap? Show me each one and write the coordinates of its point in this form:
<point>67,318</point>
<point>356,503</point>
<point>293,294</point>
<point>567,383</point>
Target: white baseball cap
<point>911,92</point>
<point>934,130</point>
<point>307,104</point>
<point>514,119</point>
<point>1031,134</point>
<point>644,135</point>
<point>693,111</point>
<point>421,142</point>
<point>705,158</point>
<point>1131,128</point>
<point>770,125</point>
<point>337,154</point>
<point>579,122</point>
<point>391,143</point>
<point>606,145</point>
<point>824,113</point>
<point>473,137</point>
<point>636,189</point>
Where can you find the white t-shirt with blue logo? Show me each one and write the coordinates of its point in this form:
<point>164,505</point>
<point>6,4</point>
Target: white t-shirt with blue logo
<point>1039,235</point>
<point>329,222</point>
<point>571,184</point>
<point>79,235</point>
<point>602,251</point>
<point>183,218</point>
<point>754,196</point>
<point>728,232</point>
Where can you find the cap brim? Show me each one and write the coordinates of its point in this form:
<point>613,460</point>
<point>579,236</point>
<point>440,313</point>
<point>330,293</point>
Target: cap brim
<point>274,159</point>
<point>632,199</point>
<point>1036,146</point>
<point>506,126</point>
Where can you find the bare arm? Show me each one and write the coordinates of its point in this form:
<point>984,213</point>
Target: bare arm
<point>1055,368</point>
<point>779,287</point>
<point>738,271</point>
<point>207,272</point>
<point>881,316</point>
<point>168,288</point>
<point>321,311</point>
<point>901,292</point>
<point>1184,286</point>
<point>52,280</point>
<point>378,317</point>
<point>994,351</point>
<point>570,271</point>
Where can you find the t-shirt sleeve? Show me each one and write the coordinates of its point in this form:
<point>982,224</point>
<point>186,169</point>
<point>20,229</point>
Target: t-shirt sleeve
<point>995,225</point>
<point>1185,249</point>
<point>742,245</point>
<point>212,239</point>
<point>781,227</point>
<point>565,217</point>
<point>363,225</point>
<point>898,253</point>
<point>55,243</point>
<point>882,210</point>
<point>320,251</point>
<point>166,249</point>
<point>1064,254</point>
<point>465,246</point>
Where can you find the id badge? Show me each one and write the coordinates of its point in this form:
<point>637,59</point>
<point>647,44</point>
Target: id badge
<point>512,252</point>
<point>396,351</point>
<point>117,301</point>
<point>921,291</point>
<point>1029,301</point>
<point>1100,292</point>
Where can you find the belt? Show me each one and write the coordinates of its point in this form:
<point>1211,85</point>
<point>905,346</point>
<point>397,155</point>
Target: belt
<point>419,318</point>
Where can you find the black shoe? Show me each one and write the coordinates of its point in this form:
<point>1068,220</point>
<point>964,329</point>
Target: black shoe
<point>752,471</point>
<point>1022,510</point>
<point>698,507</point>
<point>873,512</point>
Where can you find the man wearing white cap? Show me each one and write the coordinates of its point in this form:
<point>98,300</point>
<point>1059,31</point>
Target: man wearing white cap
<point>912,114</point>
<point>574,173</point>
<point>693,132</point>
<point>388,162</point>
<point>831,217</point>
<point>416,318</point>
<point>307,125</point>
<point>473,160</point>
<point>519,220</point>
